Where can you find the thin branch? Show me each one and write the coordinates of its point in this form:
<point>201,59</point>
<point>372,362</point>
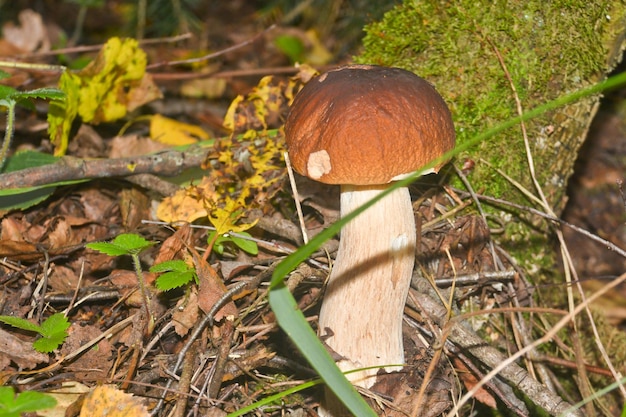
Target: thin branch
<point>168,163</point>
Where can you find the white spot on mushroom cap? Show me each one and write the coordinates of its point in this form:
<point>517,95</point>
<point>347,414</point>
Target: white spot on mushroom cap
<point>318,164</point>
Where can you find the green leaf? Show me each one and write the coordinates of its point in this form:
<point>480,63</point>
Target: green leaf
<point>23,198</point>
<point>53,330</point>
<point>124,244</point>
<point>290,46</point>
<point>29,159</point>
<point>177,273</point>
<point>174,279</point>
<point>49,343</point>
<point>21,323</point>
<point>107,248</point>
<point>245,245</point>
<point>55,324</point>
<point>174,265</point>
<point>27,401</point>
<point>42,93</point>
<point>4,74</point>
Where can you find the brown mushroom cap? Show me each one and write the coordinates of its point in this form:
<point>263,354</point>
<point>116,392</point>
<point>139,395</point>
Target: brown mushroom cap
<point>364,124</point>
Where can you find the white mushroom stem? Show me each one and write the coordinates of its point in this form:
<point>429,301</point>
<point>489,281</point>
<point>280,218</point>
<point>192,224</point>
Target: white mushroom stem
<point>361,315</point>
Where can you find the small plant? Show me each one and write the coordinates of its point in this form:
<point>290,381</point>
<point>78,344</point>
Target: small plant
<point>132,245</point>
<point>238,239</point>
<point>53,331</point>
<point>9,98</point>
<point>177,273</point>
<point>12,405</point>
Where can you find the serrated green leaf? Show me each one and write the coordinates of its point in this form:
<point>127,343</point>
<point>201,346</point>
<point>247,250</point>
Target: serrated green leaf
<point>132,242</point>
<point>170,280</point>
<point>7,396</point>
<point>107,248</point>
<point>56,323</point>
<point>42,93</point>
<point>25,102</point>
<point>177,265</point>
<point>245,245</point>
<point>124,244</point>
<point>21,323</point>
<point>27,401</point>
<point>49,344</point>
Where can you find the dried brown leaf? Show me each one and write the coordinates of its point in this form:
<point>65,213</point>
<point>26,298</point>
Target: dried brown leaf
<point>184,319</point>
<point>19,351</point>
<point>211,289</point>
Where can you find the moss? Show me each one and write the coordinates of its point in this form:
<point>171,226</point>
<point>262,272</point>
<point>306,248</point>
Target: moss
<point>549,49</point>
<point>545,47</point>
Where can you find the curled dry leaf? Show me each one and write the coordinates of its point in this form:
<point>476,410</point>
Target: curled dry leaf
<point>174,244</point>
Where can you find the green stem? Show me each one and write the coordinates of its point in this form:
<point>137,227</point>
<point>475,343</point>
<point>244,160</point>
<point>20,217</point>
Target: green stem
<point>144,292</point>
<point>8,133</point>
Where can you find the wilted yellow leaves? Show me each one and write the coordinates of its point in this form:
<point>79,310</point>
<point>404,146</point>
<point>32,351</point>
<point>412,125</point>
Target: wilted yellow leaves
<point>172,132</point>
<point>105,90</point>
<point>247,168</point>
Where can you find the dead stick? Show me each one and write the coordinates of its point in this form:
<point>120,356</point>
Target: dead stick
<point>168,163</point>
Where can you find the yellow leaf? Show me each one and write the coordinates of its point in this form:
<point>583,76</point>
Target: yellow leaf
<point>105,90</point>
<point>230,121</point>
<point>108,401</point>
<point>224,219</point>
<point>173,132</point>
<point>61,114</point>
<point>111,81</point>
<point>189,204</point>
<point>318,54</point>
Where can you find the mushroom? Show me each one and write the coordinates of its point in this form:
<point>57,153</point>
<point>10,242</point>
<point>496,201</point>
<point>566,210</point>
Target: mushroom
<point>363,127</point>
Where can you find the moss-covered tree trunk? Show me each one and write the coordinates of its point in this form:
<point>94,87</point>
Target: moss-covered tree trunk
<point>465,48</point>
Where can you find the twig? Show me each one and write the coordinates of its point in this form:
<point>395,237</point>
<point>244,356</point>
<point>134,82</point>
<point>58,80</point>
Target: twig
<point>296,198</point>
<point>68,168</point>
<point>214,54</point>
<point>92,48</point>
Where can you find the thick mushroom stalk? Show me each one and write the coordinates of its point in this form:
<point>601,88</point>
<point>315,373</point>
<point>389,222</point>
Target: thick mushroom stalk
<point>361,317</point>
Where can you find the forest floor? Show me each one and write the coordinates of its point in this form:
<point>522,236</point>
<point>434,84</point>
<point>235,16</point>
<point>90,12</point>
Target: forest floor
<point>170,364</point>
